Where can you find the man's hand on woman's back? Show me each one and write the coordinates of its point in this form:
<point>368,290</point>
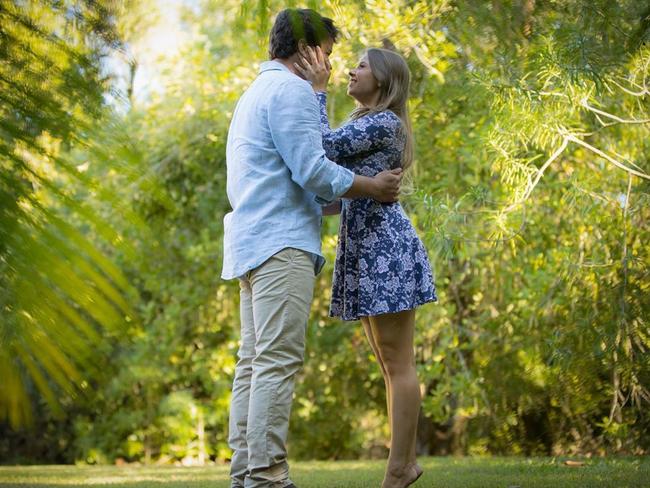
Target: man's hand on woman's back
<point>384,187</point>
<point>388,185</point>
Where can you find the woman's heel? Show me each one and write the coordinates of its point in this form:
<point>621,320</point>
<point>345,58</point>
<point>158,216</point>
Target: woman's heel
<point>415,467</point>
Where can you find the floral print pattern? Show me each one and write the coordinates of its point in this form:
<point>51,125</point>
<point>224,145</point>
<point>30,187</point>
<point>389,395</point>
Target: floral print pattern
<point>381,263</point>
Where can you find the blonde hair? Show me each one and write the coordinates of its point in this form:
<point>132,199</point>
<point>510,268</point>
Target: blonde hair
<point>392,73</point>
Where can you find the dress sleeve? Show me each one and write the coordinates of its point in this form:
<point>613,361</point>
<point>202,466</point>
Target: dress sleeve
<point>357,137</point>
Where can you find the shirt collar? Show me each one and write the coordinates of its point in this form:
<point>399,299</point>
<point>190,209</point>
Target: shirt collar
<point>273,66</point>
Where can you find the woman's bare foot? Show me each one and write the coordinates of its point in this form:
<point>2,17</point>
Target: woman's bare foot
<point>418,472</point>
<point>402,477</point>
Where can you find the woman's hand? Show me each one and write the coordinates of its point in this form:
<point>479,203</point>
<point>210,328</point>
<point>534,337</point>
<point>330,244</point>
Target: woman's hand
<point>315,67</point>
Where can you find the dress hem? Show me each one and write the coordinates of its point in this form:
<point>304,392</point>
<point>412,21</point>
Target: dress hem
<point>370,314</point>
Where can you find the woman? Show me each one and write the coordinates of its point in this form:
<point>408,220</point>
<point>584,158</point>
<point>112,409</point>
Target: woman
<point>382,272</point>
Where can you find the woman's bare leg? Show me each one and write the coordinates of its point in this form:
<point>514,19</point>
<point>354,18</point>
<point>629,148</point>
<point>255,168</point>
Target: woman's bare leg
<point>393,335</point>
<point>373,345</point>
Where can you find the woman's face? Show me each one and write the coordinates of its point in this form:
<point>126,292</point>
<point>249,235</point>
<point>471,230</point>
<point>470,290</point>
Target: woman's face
<point>363,85</point>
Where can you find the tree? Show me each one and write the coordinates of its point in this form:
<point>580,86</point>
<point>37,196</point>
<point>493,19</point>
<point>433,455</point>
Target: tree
<point>60,292</point>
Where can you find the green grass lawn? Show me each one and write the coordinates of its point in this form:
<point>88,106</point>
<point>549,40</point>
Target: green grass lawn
<point>438,473</point>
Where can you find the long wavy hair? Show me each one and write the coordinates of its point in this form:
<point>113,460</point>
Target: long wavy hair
<point>392,73</point>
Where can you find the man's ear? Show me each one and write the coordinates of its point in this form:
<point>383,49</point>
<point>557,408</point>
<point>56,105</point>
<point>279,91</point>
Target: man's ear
<point>302,47</point>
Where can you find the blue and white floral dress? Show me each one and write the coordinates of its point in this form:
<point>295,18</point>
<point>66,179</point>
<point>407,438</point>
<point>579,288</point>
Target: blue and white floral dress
<point>381,264</point>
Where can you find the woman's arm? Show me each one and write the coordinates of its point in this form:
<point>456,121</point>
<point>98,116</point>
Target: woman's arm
<point>361,136</point>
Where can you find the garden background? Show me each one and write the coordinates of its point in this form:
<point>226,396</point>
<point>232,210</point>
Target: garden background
<point>530,191</point>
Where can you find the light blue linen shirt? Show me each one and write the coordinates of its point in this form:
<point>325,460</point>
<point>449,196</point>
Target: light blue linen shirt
<point>278,174</point>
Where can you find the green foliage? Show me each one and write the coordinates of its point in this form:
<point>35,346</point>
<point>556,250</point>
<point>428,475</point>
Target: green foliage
<point>182,358</point>
<point>539,223</point>
<point>60,291</point>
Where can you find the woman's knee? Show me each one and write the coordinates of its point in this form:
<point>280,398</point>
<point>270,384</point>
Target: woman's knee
<point>394,340</point>
<point>397,363</point>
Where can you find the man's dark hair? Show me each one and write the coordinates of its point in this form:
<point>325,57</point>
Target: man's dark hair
<point>293,24</point>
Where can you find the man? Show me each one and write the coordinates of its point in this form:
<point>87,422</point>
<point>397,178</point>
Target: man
<point>278,176</point>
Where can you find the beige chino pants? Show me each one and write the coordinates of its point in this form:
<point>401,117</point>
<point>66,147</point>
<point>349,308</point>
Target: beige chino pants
<point>275,302</point>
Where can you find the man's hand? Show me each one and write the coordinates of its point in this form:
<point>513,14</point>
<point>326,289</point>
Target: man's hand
<point>387,185</point>
<point>384,187</point>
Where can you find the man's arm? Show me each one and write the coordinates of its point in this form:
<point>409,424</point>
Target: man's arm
<point>294,126</point>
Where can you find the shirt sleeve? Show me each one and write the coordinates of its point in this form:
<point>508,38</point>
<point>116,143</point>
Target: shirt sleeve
<point>294,126</point>
<point>358,137</point>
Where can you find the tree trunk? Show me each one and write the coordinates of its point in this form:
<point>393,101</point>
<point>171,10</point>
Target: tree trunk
<point>200,432</point>
<point>436,439</point>
<point>528,8</point>
<point>133,68</point>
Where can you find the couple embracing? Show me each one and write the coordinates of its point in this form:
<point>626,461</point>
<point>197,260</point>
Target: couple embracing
<point>286,168</point>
